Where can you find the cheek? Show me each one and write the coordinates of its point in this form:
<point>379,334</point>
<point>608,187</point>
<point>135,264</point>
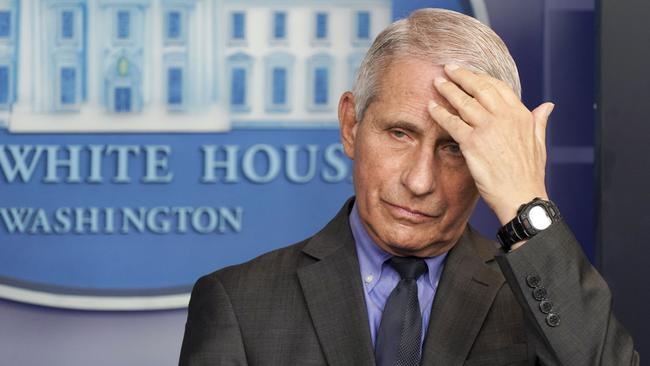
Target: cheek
<point>460,189</point>
<point>374,164</point>
<point>368,178</point>
<point>365,171</point>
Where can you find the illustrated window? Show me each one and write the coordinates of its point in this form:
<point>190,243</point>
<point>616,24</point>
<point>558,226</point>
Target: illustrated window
<point>4,85</point>
<point>175,86</point>
<point>321,26</point>
<point>174,29</point>
<point>279,25</point>
<point>238,26</point>
<point>321,86</point>
<point>5,24</point>
<point>238,87</point>
<point>363,25</point>
<point>123,25</point>
<point>68,86</point>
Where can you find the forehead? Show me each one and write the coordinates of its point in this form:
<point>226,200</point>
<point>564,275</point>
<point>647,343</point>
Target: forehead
<point>406,87</point>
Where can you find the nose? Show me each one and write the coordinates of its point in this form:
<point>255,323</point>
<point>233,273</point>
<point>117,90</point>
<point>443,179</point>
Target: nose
<point>419,175</point>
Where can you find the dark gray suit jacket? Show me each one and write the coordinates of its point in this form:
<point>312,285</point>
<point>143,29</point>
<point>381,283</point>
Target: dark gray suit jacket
<point>304,305</point>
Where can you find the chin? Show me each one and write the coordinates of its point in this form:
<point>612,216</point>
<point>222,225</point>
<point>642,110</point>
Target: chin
<point>415,246</point>
<point>427,243</point>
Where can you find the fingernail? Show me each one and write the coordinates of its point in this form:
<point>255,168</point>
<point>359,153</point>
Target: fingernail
<point>439,80</point>
<point>432,104</point>
<point>549,110</point>
<point>451,67</point>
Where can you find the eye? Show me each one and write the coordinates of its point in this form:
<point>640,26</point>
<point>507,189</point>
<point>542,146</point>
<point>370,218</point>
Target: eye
<point>398,134</point>
<point>453,148</point>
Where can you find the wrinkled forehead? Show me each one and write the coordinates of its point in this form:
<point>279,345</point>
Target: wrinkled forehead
<point>402,102</point>
<point>409,83</point>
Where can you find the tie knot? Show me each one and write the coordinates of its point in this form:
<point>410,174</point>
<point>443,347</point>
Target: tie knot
<point>408,267</point>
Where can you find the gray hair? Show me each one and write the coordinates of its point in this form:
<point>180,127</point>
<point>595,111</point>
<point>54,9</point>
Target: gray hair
<point>441,37</point>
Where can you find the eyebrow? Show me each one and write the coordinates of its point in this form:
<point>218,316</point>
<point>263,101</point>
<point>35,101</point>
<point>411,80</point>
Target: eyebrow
<point>410,126</point>
<point>405,125</point>
<point>448,139</point>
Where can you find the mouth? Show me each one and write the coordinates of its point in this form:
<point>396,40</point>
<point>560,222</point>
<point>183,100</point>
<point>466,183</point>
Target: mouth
<point>409,214</point>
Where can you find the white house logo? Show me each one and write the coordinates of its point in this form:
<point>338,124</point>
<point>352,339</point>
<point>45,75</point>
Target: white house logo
<point>95,217</point>
<point>186,65</point>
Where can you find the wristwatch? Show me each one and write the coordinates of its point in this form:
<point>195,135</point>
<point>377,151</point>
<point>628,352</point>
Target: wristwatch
<point>532,217</point>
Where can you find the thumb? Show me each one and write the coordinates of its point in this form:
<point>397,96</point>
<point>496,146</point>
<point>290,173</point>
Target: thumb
<point>540,115</point>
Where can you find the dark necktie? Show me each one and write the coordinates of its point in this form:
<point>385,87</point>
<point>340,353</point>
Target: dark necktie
<point>400,332</point>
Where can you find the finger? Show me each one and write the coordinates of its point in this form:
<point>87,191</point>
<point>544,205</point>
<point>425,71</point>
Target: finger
<point>506,91</point>
<point>540,115</point>
<point>454,125</point>
<point>470,110</point>
<point>477,86</point>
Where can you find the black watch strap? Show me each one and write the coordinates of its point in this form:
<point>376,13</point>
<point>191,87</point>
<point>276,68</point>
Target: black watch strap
<point>508,234</point>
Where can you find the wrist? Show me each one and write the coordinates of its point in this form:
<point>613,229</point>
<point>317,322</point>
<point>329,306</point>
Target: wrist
<point>506,209</point>
<point>517,245</point>
<point>532,217</point>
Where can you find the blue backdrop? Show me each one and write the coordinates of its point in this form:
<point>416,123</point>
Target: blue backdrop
<point>252,214</point>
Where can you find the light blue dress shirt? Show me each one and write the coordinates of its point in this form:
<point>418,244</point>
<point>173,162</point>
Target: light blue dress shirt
<point>379,278</point>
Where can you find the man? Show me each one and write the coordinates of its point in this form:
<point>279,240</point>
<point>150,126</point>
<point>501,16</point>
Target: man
<point>398,277</point>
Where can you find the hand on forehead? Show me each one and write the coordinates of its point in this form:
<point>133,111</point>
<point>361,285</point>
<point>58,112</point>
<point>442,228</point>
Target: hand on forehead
<point>406,88</point>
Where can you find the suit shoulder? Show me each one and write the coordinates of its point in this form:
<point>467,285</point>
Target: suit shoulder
<point>486,248</point>
<point>272,266</point>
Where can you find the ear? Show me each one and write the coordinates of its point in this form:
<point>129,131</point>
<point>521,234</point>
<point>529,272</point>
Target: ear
<point>348,123</point>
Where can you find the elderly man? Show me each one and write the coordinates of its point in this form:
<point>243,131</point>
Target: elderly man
<point>398,277</point>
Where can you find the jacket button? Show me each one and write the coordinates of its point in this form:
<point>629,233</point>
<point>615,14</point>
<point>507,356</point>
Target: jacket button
<point>539,293</point>
<point>546,306</point>
<point>533,281</point>
<point>553,320</point>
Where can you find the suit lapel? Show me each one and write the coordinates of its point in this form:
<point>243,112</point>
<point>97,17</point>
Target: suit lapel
<point>465,293</point>
<point>334,295</point>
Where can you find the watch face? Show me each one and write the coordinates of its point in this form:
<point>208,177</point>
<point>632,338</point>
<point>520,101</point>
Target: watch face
<point>538,218</point>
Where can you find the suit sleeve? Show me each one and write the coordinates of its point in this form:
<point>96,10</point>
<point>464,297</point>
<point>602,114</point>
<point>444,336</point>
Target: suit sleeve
<point>566,302</point>
<point>212,333</point>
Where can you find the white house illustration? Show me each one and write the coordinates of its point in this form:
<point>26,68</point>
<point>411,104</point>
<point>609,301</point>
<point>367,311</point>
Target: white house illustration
<point>179,65</point>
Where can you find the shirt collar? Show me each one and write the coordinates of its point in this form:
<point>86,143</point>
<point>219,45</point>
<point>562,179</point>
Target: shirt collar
<point>372,257</point>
